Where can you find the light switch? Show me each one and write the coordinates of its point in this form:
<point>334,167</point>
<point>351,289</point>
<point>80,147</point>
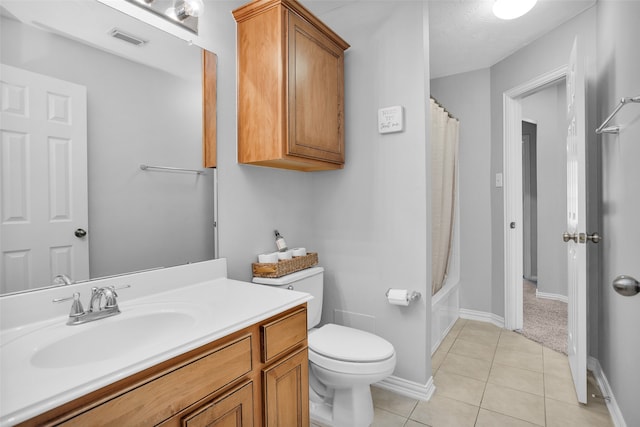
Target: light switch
<point>391,119</point>
<point>499,180</point>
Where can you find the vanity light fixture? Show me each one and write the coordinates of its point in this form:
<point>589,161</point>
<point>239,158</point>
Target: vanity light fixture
<point>511,9</point>
<point>182,12</point>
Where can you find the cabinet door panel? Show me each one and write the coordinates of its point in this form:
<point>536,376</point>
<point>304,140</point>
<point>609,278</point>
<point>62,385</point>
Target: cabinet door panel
<point>316,93</point>
<point>286,392</point>
<point>234,409</point>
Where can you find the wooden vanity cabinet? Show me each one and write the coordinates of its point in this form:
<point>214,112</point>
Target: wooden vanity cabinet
<point>290,88</point>
<point>257,376</point>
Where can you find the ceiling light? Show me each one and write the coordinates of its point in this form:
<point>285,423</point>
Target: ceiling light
<point>511,9</point>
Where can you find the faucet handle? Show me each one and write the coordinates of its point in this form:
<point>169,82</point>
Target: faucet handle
<point>110,295</point>
<point>76,307</point>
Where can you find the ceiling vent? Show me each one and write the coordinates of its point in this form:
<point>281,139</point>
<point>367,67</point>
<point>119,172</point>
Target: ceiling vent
<point>119,34</point>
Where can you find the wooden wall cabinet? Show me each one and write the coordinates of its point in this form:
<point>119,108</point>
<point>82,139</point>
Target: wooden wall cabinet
<point>290,88</point>
<point>229,382</point>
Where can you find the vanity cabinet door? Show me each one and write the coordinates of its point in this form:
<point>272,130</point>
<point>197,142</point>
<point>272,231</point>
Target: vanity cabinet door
<point>234,409</point>
<point>286,392</point>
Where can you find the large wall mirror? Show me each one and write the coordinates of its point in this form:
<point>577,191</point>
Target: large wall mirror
<point>142,105</point>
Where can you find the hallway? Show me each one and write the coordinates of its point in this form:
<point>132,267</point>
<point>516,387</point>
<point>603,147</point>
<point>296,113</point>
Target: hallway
<point>491,377</point>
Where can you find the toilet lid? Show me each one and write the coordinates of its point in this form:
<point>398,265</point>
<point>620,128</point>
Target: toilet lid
<point>348,344</point>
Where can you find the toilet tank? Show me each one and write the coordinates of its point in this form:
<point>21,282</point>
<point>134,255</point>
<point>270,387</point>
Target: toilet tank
<point>309,280</point>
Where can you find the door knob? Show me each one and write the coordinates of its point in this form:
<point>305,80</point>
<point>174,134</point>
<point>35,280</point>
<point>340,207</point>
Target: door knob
<point>595,237</point>
<point>626,285</point>
<point>566,237</point>
<point>80,233</point>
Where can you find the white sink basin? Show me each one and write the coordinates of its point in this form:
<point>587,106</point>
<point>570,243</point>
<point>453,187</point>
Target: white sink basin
<point>139,327</point>
<point>107,338</point>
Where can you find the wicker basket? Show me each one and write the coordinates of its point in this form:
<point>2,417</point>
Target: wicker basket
<point>285,266</point>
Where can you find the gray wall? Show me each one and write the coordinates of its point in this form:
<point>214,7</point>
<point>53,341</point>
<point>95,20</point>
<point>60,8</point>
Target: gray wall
<point>467,97</point>
<point>547,109</point>
<point>136,114</point>
<point>618,76</point>
<point>371,223</point>
<point>368,221</point>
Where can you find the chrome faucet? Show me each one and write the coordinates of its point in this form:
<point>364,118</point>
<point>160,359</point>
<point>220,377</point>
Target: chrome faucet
<point>62,279</point>
<point>96,311</point>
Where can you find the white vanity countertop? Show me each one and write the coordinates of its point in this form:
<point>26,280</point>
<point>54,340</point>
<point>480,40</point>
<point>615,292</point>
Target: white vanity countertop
<point>221,306</point>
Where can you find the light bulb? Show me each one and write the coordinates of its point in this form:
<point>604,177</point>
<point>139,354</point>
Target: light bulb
<point>511,9</point>
<point>185,8</point>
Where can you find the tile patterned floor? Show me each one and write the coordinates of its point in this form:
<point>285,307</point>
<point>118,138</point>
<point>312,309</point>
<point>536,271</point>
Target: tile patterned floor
<point>490,377</point>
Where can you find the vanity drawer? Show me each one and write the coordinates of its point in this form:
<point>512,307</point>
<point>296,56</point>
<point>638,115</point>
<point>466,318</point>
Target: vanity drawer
<point>149,404</point>
<point>283,334</point>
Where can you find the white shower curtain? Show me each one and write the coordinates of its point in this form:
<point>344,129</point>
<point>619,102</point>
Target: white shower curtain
<point>444,153</point>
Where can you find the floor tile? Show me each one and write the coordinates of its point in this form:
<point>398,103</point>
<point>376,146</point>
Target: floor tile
<point>481,326</point>
<point>412,423</point>
<point>466,366</point>
<point>446,343</point>
<point>517,359</point>
<point>561,414</point>
<point>473,349</point>
<point>464,389</point>
<point>437,359</point>
<point>392,402</point>
<point>482,336</point>
<point>444,412</point>
<point>383,418</point>
<point>556,363</point>
<point>517,378</point>
<point>493,419</point>
<point>508,389</point>
<point>560,388</point>
<point>457,327</point>
<point>518,404</point>
<point>510,340</point>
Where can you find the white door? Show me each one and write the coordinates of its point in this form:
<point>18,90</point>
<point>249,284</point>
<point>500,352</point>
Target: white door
<point>575,235</point>
<point>43,136</point>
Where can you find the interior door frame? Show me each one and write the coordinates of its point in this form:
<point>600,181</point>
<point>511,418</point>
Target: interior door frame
<point>512,191</point>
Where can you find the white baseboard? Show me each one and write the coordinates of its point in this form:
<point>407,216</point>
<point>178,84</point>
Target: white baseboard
<point>555,297</point>
<point>593,365</point>
<point>482,316</point>
<point>408,388</point>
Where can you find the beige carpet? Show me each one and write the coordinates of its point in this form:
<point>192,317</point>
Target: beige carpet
<point>545,320</point>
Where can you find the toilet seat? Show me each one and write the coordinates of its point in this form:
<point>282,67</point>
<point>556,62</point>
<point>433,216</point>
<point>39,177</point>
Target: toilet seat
<point>351,351</point>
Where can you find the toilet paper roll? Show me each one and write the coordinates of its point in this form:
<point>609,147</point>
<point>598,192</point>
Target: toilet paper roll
<point>268,258</point>
<point>299,251</point>
<point>285,255</point>
<point>398,297</point>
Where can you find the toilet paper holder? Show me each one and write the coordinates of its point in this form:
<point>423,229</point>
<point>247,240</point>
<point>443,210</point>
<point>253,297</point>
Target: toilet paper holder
<point>411,296</point>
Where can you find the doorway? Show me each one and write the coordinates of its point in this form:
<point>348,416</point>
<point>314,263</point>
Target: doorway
<point>544,192</point>
<point>513,191</point>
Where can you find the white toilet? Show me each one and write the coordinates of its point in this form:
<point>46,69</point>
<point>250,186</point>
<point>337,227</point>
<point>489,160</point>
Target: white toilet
<point>343,362</point>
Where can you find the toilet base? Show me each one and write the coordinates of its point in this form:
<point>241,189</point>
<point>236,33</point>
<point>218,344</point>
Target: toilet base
<point>350,407</point>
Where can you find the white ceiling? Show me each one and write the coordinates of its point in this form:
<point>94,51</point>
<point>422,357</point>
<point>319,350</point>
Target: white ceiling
<point>465,35</point>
